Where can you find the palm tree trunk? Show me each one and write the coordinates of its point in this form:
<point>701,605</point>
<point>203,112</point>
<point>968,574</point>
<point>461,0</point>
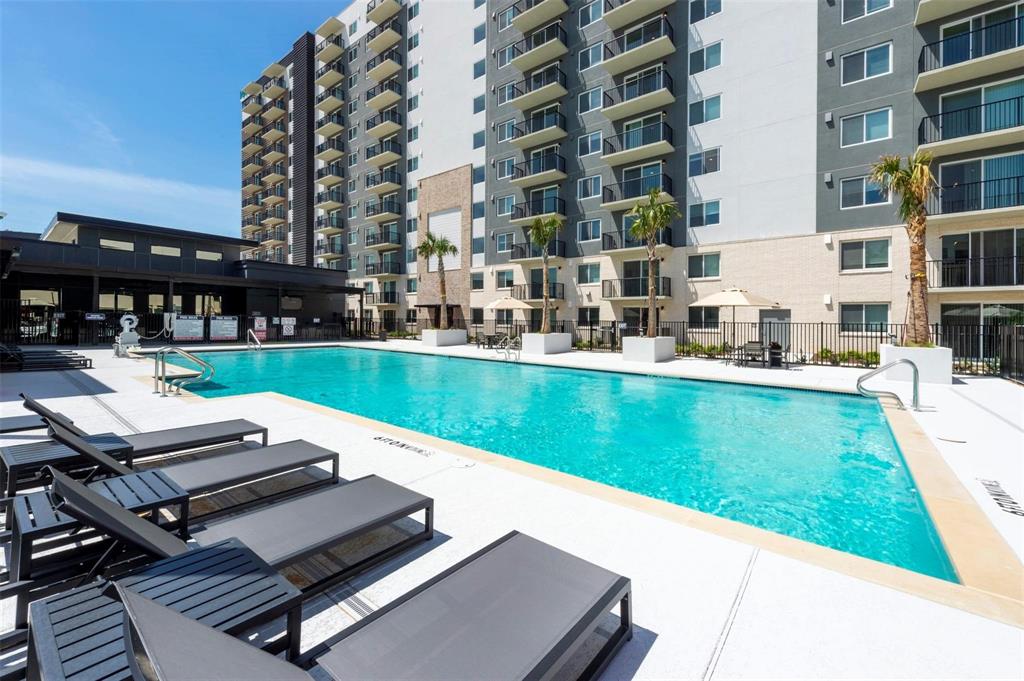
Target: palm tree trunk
<point>651,289</point>
<point>918,283</point>
<point>545,321</point>
<point>444,294</point>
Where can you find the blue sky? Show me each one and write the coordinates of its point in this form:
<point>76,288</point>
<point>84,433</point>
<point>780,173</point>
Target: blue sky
<point>130,109</point>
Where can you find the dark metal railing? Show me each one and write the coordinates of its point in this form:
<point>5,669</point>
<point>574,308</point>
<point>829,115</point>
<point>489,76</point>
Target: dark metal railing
<point>613,241</point>
<point>635,38</point>
<point>278,234</point>
<point>393,85</point>
<point>275,169</point>
<point>275,104</point>
<point>537,207</point>
<point>634,287</point>
<point>251,182</point>
<point>336,118</point>
<point>337,92</point>
<point>973,120</point>
<point>392,25</point>
<point>279,82</point>
<point>539,164</point>
<point>660,80</point>
<point>255,119</point>
<point>638,137</point>
<point>330,247</point>
<point>280,126</point>
<point>276,191</point>
<point>388,116</point>
<point>335,66</point>
<point>636,189</point>
<point>253,160</point>
<point>335,169</point>
<point>278,213</point>
<point>378,237</point>
<point>392,55</point>
<point>279,147</point>
<point>330,40</point>
<point>390,176</point>
<point>970,196</point>
<point>334,143</point>
<point>535,40</point>
<point>382,298</point>
<point>255,139</point>
<point>382,147</point>
<point>535,291</point>
<point>549,119</point>
<point>981,42</point>
<point>251,99</point>
<point>325,221</point>
<point>382,267</point>
<point>525,251</point>
<point>381,207</point>
<point>330,195</point>
<point>971,272</point>
<point>549,76</point>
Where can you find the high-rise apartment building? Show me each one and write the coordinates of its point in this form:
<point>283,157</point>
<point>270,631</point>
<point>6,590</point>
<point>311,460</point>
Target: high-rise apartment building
<point>761,120</point>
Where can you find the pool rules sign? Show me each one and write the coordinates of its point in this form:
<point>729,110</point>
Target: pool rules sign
<point>287,326</point>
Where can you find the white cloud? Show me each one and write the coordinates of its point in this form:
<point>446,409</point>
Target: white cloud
<point>30,186</point>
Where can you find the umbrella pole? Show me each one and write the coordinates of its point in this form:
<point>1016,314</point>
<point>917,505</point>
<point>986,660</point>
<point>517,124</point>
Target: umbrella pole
<point>733,326</point>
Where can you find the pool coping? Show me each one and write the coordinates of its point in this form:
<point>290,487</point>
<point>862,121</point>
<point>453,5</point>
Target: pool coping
<point>992,577</point>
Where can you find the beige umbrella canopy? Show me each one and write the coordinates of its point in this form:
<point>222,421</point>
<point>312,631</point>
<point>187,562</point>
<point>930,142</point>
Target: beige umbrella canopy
<point>507,303</point>
<point>733,297</point>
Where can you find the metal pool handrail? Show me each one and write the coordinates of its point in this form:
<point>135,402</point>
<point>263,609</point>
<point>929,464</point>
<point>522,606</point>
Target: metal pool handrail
<point>253,341</point>
<point>160,371</point>
<point>915,401</point>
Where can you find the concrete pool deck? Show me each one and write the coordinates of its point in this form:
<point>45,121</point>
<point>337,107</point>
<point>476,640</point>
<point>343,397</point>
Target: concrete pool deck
<point>707,606</point>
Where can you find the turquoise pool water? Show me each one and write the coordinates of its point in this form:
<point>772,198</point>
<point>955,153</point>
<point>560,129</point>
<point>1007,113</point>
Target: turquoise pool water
<point>820,467</point>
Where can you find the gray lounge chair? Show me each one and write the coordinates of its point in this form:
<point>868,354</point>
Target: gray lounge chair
<point>18,424</point>
<point>517,609</point>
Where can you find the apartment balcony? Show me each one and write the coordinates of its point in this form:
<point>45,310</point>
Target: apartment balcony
<point>653,91</point>
<point>330,125</point>
<point>252,125</point>
<point>274,110</point>
<point>251,205</point>
<point>534,293</point>
<point>274,174</point>
<point>251,185</point>
<point>252,105</point>
<point>331,174</point>
<point>384,152</point>
<point>383,270</point>
<point>330,75</point>
<point>542,47</point>
<point>382,299</point>
<point>543,169</point>
<point>383,124</point>
<point>384,65</point>
<point>931,10</point>
<point>635,288</point>
<point>264,256</point>
<point>275,87</point>
<point>384,182</point>
<point>251,165</point>
<point>329,249</point>
<point>625,195</point>
<point>329,224</point>
<point>623,242</point>
<point>968,56</point>
<point>383,36</point>
<point>530,252</point>
<point>383,95</point>
<point>382,211</point>
<point>251,222</point>
<point>275,152</point>
<point>619,13</point>
<point>332,199</point>
<point>970,274</point>
<point>251,145</point>
<point>330,150</point>
<point>538,130</point>
<point>383,239</point>
<point>974,128</point>
<point>273,217</point>
<point>275,196</point>
<point>329,49</point>
<point>976,204</point>
<point>638,46</point>
<point>538,89</point>
<point>530,14</point>
<point>639,144</point>
<point>379,11</point>
<point>252,88</point>
<point>273,237</point>
<point>330,99</point>
<point>274,132</point>
<point>549,207</point>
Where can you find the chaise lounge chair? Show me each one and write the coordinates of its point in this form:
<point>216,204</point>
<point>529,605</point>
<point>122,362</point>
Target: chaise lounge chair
<point>517,609</point>
<point>18,424</point>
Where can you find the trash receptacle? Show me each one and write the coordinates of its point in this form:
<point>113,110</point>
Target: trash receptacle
<point>382,335</point>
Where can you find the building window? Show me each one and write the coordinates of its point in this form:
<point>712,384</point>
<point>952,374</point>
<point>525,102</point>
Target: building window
<point>588,273</point>
<point>479,245</point>
<point>704,162</point>
<point>410,314</point>
<point>476,281</point>
<point>411,284</point>
<point>504,205</point>
<point>505,18</point>
<point>412,194</point>
<point>863,316</point>
<point>857,192</point>
<point>856,9</point>
<point>869,254</point>
<point>588,230</point>
<point>479,174</point>
<point>503,316</point>
<point>353,212</point>
<point>504,167</point>
<point>589,144</point>
<point>479,210</point>
<point>589,100</point>
<point>353,80</point>
<point>410,255</point>
<point>866,127</point>
<point>414,71</point>
<point>412,164</point>
<point>353,264</point>
<point>702,9</point>
<point>352,106</point>
<point>414,10</point>
<point>479,139</point>
<point>352,132</point>
<point>703,266</point>
<point>706,110</point>
<point>479,68</point>
<point>865,64</point>
<point>703,317</point>
<point>412,134</point>
<point>353,27</point>
<point>503,279</point>
<point>702,214</point>
<point>588,187</point>
<point>479,33</point>
<point>414,103</point>
<point>411,225</point>
<point>353,53</point>
<point>505,55</point>
<point>706,58</point>
<point>505,129</point>
<point>171,251</point>
<point>506,91</point>
<point>590,12</point>
<point>476,314</point>
<point>117,245</point>
<point>351,185</point>
<point>479,103</point>
<point>590,56</point>
<point>353,238</point>
<point>414,41</point>
<point>504,241</point>
<point>589,316</point>
<point>215,256</point>
<point>353,158</point>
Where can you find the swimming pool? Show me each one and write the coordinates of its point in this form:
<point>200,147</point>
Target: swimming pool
<point>816,466</point>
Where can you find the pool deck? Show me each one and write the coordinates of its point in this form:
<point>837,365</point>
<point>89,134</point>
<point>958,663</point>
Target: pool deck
<point>708,604</point>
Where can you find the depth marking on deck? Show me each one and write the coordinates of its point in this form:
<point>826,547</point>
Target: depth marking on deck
<point>1003,500</point>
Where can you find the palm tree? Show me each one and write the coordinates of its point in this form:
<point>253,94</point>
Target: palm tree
<point>438,247</point>
<point>651,218</point>
<point>542,231</point>
<point>912,183</point>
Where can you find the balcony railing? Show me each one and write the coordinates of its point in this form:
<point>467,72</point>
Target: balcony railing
<point>335,195</point>
<point>279,191</point>
<point>530,250</point>
<point>638,137</point>
<point>329,221</point>
<point>556,291</point>
<point>636,38</point>
<point>335,169</point>
<point>382,147</point>
<point>614,241</point>
<point>279,126</point>
<point>636,189</point>
<point>336,118</point>
<point>393,25</point>
<point>974,120</point>
<point>381,207</point>
<point>336,67</point>
<point>635,287</point>
<point>382,298</point>
<point>384,177</point>
<point>549,119</point>
<point>385,267</point>
<point>539,164</point>
<point>963,47</point>
<point>548,76</point>
<point>331,40</point>
<point>336,92</point>
<point>389,116</point>
<point>390,55</point>
<point>970,272</point>
<point>538,207</point>
<point>638,88</point>
<point>393,85</point>
<point>972,196</point>
<point>330,247</point>
<point>277,148</point>
<point>254,181</point>
<point>279,234</point>
<point>546,35</point>
<point>380,237</point>
<point>275,83</point>
<point>335,143</point>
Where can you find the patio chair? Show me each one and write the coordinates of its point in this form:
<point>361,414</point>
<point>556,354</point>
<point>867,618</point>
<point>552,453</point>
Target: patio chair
<point>26,422</point>
<point>516,609</point>
<point>751,351</point>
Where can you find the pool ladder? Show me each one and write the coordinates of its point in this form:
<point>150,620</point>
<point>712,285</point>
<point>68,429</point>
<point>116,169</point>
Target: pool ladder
<point>510,347</point>
<point>915,401</point>
<point>161,381</point>
<point>252,341</point>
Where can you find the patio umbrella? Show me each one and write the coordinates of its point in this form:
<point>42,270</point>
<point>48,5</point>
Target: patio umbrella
<point>508,303</point>
<point>734,297</point>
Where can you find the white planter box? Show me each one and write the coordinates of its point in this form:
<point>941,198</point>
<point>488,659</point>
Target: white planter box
<point>436,338</point>
<point>546,343</point>
<point>657,349</point>
<point>934,365</point>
